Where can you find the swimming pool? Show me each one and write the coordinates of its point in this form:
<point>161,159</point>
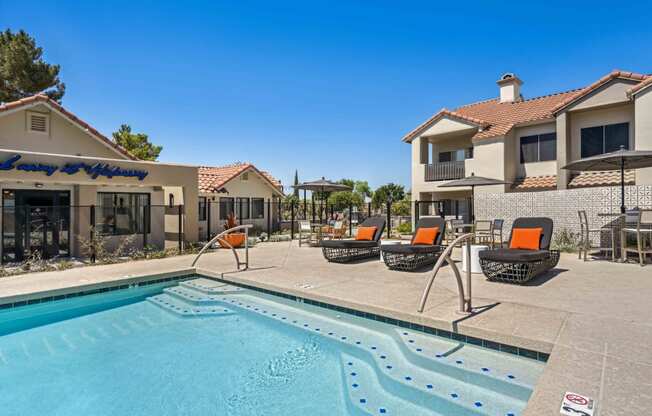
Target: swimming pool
<point>204,347</point>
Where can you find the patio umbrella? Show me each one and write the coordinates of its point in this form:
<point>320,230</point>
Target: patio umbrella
<point>619,160</point>
<point>321,185</point>
<point>473,181</point>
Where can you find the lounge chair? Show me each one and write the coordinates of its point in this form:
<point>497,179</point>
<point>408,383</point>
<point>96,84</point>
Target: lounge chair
<point>344,251</point>
<point>519,265</point>
<point>409,257</point>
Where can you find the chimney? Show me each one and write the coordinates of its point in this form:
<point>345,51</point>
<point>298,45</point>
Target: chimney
<point>510,88</point>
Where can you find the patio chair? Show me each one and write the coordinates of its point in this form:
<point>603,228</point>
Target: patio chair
<point>344,251</point>
<point>643,232</point>
<point>523,260</point>
<point>497,233</point>
<point>409,257</point>
<point>452,231</point>
<point>337,230</point>
<point>483,230</point>
<point>305,232</point>
<point>585,244</point>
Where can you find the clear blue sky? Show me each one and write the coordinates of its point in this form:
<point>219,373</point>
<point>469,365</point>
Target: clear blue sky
<point>328,88</point>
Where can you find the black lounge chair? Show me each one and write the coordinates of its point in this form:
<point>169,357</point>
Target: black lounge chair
<point>344,251</point>
<point>409,257</point>
<point>518,265</point>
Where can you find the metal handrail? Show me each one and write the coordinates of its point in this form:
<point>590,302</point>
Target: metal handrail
<point>218,237</point>
<point>465,302</point>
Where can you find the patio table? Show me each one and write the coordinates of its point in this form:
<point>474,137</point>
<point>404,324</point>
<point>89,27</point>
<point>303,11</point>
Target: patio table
<point>617,226</point>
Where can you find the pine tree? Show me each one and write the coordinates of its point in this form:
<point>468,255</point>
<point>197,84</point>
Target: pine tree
<point>23,72</point>
<point>296,182</point>
<point>137,144</point>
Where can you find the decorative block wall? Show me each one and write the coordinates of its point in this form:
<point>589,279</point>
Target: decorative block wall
<point>561,205</point>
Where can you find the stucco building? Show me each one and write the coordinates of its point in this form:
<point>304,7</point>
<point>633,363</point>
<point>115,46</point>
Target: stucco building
<point>526,141</point>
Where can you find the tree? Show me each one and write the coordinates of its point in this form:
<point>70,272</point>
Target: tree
<point>23,72</point>
<point>390,191</point>
<point>344,199</point>
<point>136,143</point>
<point>363,188</point>
<point>296,182</point>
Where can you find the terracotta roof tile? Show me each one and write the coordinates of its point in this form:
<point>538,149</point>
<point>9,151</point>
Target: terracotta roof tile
<point>212,178</point>
<point>535,183</point>
<point>46,100</point>
<point>640,86</point>
<point>611,178</point>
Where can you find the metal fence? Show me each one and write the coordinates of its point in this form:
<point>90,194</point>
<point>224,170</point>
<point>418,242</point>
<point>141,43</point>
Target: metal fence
<point>88,231</point>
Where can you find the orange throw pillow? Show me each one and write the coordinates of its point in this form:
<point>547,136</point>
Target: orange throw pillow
<point>426,236</point>
<point>366,233</point>
<point>526,238</point>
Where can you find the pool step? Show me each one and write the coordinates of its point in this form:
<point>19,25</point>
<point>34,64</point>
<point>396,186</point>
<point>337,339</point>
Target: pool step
<point>186,310</point>
<point>366,395</point>
<point>503,373</point>
<point>193,296</point>
<point>211,287</point>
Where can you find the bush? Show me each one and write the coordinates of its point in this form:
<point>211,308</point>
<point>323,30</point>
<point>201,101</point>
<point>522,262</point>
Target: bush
<point>404,228</point>
<point>565,241</point>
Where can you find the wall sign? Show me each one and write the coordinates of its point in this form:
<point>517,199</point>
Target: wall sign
<point>92,170</point>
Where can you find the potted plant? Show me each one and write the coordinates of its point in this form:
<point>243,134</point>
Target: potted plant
<point>235,239</point>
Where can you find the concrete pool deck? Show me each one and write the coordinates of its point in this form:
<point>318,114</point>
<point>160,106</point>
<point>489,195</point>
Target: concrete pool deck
<point>593,318</point>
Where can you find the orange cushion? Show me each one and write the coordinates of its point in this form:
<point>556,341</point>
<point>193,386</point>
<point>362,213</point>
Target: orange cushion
<point>526,238</point>
<point>366,233</point>
<point>426,236</point>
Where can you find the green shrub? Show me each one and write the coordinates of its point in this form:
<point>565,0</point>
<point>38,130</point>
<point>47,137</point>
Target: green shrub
<point>404,228</point>
<point>565,241</point>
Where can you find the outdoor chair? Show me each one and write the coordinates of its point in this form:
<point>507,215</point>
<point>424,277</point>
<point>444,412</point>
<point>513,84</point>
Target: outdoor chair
<point>525,258</point>
<point>337,230</point>
<point>344,251</point>
<point>409,257</point>
<point>305,232</point>
<point>497,232</point>
<point>643,233</point>
<point>585,243</point>
<point>483,230</point>
<point>452,231</point>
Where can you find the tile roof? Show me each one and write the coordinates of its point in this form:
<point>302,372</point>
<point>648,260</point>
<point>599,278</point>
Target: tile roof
<point>496,119</point>
<point>611,178</point>
<point>640,86</point>
<point>212,178</point>
<point>535,183</point>
<point>35,99</point>
<point>633,76</point>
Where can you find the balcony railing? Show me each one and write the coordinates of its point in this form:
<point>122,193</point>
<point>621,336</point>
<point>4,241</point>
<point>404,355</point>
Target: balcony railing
<point>444,171</point>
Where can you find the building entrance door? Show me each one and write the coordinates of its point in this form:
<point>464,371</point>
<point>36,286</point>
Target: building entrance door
<point>36,224</point>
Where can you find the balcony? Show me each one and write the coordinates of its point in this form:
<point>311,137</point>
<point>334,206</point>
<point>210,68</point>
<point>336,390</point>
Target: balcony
<point>444,171</point>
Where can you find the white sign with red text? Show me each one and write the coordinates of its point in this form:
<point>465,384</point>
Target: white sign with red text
<point>574,404</point>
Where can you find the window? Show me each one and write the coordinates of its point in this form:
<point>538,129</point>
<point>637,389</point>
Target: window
<point>122,213</point>
<point>242,210</point>
<point>604,139</point>
<point>226,207</point>
<point>202,208</point>
<point>539,148</point>
<point>468,153</point>
<point>171,200</point>
<point>38,122</point>
<point>454,155</point>
<point>257,208</point>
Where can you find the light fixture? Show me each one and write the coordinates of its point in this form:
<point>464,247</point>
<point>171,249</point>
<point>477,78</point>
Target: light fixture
<point>38,185</point>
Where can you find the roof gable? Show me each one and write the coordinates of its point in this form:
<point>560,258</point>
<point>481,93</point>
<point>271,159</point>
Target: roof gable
<point>37,100</point>
<point>212,179</point>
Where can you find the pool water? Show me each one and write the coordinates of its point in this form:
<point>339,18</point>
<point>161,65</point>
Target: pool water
<point>203,347</point>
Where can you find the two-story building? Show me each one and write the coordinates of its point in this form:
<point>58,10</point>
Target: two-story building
<point>527,141</point>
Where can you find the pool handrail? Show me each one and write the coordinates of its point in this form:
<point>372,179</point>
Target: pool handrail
<point>465,301</point>
<point>219,238</point>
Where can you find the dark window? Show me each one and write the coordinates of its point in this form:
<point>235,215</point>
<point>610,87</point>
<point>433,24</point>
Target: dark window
<point>226,207</point>
<point>445,157</point>
<point>469,153</point>
<point>202,208</point>
<point>122,213</point>
<point>539,148</point>
<point>454,155</point>
<point>257,208</point>
<point>171,200</point>
<point>604,139</point>
<point>242,208</point>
